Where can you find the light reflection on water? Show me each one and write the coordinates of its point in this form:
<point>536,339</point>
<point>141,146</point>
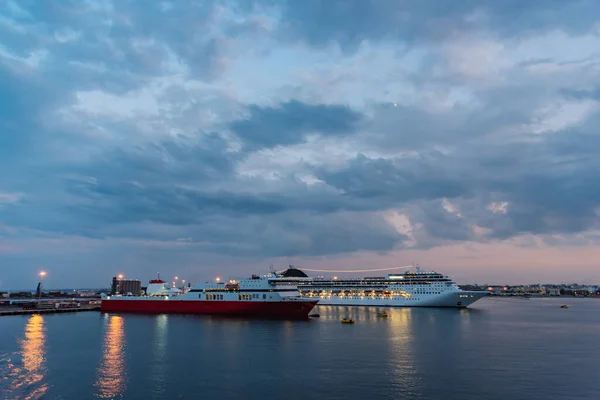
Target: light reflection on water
<point>159,356</point>
<point>111,380</point>
<point>34,357</point>
<point>413,354</point>
<point>26,374</point>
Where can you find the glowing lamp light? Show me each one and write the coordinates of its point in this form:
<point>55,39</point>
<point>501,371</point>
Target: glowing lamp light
<point>120,276</point>
<point>43,274</point>
<point>218,279</point>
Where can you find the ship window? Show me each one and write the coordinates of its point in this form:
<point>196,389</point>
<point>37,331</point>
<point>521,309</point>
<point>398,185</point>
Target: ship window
<point>264,296</point>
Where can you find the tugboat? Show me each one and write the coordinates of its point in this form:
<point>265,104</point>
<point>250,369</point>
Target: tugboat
<point>258,296</point>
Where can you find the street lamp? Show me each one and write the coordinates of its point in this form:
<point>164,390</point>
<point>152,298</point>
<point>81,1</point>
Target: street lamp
<point>42,275</point>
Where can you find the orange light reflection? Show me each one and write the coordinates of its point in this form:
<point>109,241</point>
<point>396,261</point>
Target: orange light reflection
<point>29,380</point>
<point>111,375</point>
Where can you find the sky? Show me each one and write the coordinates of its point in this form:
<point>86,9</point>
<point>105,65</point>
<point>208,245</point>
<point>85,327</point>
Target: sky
<point>205,138</point>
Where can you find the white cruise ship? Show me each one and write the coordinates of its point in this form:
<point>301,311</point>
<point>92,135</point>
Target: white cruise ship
<point>413,288</point>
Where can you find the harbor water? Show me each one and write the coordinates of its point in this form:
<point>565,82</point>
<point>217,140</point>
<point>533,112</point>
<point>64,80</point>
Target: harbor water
<point>500,348</point>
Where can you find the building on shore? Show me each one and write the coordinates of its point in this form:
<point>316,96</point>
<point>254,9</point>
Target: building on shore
<point>126,286</point>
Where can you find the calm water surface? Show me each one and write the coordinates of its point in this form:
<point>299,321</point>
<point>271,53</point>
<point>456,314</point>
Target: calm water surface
<point>498,349</point>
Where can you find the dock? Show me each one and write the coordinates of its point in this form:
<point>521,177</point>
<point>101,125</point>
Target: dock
<point>12,310</point>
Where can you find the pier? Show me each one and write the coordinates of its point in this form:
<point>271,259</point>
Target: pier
<point>45,309</point>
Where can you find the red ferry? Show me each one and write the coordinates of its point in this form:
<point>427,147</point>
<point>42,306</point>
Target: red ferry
<point>259,296</point>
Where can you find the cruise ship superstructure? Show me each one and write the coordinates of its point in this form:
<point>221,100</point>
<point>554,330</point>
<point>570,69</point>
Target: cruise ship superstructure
<point>413,288</point>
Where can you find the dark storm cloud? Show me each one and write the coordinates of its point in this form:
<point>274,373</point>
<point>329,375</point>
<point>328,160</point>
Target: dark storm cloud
<point>486,157</point>
<point>290,123</point>
<point>549,186</point>
<point>175,187</point>
<point>395,181</point>
<point>349,22</point>
<point>131,37</point>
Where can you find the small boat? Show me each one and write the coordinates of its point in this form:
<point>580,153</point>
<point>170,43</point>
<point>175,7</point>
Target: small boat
<point>564,306</point>
<point>347,321</point>
<point>383,315</point>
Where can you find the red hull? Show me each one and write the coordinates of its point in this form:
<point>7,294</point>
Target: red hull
<point>269,309</point>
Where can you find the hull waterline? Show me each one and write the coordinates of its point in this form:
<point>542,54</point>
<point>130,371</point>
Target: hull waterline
<point>284,309</point>
<point>446,300</point>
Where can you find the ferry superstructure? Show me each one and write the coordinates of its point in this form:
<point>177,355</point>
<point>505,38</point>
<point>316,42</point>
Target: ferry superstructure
<point>413,288</point>
<point>258,296</point>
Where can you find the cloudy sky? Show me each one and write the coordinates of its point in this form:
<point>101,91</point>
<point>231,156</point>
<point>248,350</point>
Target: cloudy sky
<point>198,138</point>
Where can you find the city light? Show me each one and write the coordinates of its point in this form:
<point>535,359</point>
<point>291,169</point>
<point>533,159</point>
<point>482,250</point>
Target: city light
<point>43,274</point>
<point>120,276</point>
<point>218,279</point>
<point>176,277</point>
